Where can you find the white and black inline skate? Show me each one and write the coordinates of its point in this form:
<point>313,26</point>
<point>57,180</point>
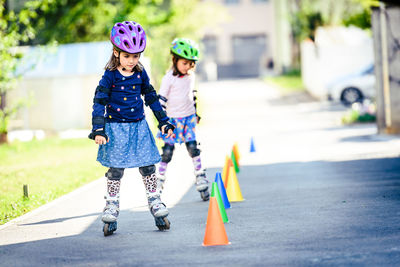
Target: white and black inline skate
<point>159,211</point>
<point>202,185</point>
<point>110,214</point>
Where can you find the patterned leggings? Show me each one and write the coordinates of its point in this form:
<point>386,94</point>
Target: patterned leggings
<point>148,176</point>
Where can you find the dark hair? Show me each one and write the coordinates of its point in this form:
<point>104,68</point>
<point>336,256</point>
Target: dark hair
<point>113,62</point>
<point>174,67</point>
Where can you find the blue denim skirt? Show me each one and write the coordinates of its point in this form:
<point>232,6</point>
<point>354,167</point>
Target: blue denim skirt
<point>131,145</point>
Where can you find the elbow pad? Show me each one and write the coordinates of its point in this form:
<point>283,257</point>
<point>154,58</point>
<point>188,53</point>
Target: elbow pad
<point>163,101</point>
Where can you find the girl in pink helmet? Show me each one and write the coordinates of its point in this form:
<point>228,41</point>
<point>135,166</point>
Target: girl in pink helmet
<point>177,97</point>
<point>119,125</point>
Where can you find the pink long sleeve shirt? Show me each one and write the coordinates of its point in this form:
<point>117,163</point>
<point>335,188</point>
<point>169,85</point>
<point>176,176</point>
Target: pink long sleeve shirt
<point>179,94</point>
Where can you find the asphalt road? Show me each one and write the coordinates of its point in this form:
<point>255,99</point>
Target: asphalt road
<point>316,193</point>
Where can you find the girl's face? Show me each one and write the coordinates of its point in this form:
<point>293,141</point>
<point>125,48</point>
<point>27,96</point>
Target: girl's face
<point>126,60</point>
<point>184,65</point>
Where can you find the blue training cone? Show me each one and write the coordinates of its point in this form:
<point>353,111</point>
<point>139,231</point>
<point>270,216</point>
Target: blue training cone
<point>222,191</point>
<point>252,147</point>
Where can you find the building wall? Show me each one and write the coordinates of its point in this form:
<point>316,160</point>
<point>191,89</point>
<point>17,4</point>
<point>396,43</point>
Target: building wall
<point>60,84</point>
<point>56,103</point>
<point>249,19</point>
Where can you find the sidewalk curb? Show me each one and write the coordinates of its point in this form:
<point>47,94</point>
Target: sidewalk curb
<point>52,203</point>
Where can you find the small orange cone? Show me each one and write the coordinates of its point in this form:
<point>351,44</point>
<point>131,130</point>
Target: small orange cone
<point>215,230</point>
<point>225,171</point>
<point>233,188</point>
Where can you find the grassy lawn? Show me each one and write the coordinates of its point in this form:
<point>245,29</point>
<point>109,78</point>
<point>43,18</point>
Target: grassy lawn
<point>50,167</point>
<point>287,83</point>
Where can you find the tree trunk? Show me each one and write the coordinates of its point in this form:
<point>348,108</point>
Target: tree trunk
<point>3,138</point>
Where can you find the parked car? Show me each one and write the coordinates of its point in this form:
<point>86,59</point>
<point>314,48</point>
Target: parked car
<point>353,88</point>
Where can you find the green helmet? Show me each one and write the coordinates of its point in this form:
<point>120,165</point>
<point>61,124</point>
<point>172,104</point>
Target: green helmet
<point>185,48</point>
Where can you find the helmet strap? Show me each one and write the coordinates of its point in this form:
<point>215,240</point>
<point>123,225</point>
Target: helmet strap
<point>125,69</point>
<point>119,62</point>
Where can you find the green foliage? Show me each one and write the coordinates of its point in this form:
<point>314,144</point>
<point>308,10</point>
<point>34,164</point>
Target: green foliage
<point>50,168</point>
<point>360,112</point>
<point>304,24</point>
<point>288,82</point>
<point>306,15</point>
<point>15,27</point>
<point>367,4</point>
<point>70,21</point>
<point>185,19</point>
<point>361,20</point>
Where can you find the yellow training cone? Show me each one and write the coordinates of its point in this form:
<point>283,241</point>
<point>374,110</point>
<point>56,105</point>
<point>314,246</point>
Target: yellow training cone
<point>236,152</point>
<point>225,170</point>
<point>233,188</point>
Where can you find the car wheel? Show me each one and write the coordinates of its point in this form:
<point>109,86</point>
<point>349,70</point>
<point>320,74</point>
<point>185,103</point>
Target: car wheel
<point>351,95</point>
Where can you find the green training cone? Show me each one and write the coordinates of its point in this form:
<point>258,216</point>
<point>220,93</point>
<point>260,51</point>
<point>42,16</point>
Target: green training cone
<point>215,193</point>
<point>234,161</point>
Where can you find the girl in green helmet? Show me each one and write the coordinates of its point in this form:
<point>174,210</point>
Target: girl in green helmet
<point>178,99</point>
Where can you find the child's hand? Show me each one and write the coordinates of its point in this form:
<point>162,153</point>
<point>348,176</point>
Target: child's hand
<point>169,133</point>
<point>99,137</point>
<point>168,129</point>
<point>100,140</point>
<point>198,118</point>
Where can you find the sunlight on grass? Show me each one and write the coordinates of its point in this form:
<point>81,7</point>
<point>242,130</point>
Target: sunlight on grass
<point>50,168</point>
<point>287,83</point>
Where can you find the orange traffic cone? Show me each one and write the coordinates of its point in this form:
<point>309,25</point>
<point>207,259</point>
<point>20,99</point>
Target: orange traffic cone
<point>233,188</point>
<point>215,230</point>
<point>225,170</point>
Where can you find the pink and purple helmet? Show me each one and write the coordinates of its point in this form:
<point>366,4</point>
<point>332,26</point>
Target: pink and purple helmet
<point>128,36</point>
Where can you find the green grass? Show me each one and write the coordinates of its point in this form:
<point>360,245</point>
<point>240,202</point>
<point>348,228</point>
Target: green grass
<point>287,83</point>
<point>50,167</point>
<point>354,116</point>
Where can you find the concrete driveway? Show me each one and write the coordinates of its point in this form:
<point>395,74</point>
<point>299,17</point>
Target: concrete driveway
<point>316,193</point>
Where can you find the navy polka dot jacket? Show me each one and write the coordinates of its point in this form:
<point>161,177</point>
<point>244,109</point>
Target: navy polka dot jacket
<point>118,99</point>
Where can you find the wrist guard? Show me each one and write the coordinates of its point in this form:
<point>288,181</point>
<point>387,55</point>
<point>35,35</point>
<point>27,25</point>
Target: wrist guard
<point>168,127</point>
<point>198,118</point>
<point>93,134</point>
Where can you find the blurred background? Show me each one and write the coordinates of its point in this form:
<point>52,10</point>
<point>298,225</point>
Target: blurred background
<point>53,53</point>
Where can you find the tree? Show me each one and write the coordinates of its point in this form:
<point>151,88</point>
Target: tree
<point>70,21</point>
<point>307,15</point>
<point>14,28</point>
<point>170,19</point>
<point>361,18</point>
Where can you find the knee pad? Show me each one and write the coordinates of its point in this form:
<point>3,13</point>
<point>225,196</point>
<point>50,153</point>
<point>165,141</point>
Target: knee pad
<point>192,149</point>
<point>168,151</point>
<point>147,170</point>
<point>115,173</point>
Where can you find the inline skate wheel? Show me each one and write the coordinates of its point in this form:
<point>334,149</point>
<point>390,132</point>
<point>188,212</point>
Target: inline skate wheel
<point>205,195</point>
<point>162,223</point>
<point>109,228</point>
